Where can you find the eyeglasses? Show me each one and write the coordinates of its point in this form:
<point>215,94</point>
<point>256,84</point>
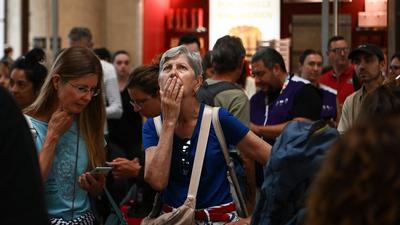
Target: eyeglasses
<point>84,90</point>
<point>138,104</point>
<point>339,50</point>
<point>185,153</point>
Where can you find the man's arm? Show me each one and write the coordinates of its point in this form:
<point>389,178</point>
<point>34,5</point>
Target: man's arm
<point>113,97</point>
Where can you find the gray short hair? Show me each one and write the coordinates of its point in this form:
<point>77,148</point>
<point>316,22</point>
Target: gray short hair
<point>78,33</point>
<point>193,57</point>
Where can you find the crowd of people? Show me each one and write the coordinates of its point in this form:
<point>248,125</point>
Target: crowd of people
<point>92,108</point>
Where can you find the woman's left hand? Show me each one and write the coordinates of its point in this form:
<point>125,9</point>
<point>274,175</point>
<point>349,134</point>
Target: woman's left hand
<point>92,183</point>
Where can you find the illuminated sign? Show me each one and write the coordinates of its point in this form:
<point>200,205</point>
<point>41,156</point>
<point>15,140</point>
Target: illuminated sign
<point>251,20</point>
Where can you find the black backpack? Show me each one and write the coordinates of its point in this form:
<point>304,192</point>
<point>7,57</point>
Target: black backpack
<point>207,92</point>
<point>294,161</point>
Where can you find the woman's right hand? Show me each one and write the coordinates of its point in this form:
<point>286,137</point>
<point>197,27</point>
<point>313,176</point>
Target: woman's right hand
<point>171,98</point>
<point>60,122</point>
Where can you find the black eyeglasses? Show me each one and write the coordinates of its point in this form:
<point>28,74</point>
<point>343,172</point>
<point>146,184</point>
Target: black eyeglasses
<point>185,153</point>
<point>340,50</point>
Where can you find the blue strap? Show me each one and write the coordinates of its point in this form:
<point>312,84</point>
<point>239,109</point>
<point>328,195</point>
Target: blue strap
<point>115,208</point>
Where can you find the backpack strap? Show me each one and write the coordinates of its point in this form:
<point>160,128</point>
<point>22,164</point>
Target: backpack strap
<point>207,92</point>
<point>231,167</point>
<point>158,124</point>
<point>31,128</point>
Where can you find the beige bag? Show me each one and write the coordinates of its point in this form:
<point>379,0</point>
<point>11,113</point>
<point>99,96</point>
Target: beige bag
<point>184,215</point>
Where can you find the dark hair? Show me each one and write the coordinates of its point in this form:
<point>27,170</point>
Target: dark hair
<point>395,55</point>
<point>334,39</point>
<point>306,53</point>
<point>103,53</point>
<point>31,65</point>
<point>145,78</point>
<point>78,33</point>
<point>358,183</point>
<point>8,50</point>
<point>206,61</point>
<point>270,57</point>
<point>118,53</point>
<point>381,103</point>
<point>189,39</point>
<point>227,54</point>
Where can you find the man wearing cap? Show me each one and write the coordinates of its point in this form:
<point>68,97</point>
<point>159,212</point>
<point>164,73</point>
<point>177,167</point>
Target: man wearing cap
<point>369,63</point>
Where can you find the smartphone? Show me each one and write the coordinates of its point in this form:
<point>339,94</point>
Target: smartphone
<point>101,170</point>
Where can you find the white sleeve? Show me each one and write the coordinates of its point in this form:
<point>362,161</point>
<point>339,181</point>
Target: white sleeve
<point>111,91</point>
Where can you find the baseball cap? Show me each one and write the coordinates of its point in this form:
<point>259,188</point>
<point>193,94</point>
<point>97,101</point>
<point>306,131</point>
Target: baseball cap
<point>369,49</point>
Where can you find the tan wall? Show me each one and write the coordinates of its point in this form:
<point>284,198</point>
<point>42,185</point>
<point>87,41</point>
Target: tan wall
<point>14,35</point>
<point>115,24</point>
<point>87,13</point>
<point>120,27</point>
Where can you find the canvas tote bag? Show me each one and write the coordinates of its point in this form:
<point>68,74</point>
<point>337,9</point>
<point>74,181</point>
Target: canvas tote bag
<point>184,215</point>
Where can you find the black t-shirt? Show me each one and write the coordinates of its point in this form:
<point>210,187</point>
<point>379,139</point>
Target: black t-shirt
<point>307,103</point>
<point>126,132</point>
<point>21,187</point>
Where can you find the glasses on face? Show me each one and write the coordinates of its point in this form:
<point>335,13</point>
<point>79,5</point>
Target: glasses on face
<point>138,104</point>
<point>185,152</point>
<point>340,50</point>
<point>84,90</point>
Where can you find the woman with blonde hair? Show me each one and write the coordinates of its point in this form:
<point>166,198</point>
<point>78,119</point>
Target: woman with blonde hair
<point>68,117</point>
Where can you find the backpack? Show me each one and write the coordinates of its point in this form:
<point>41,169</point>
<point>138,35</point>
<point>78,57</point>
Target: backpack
<point>207,92</point>
<point>294,161</point>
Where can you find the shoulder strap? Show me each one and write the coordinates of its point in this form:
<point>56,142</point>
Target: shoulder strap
<point>200,151</point>
<point>115,207</point>
<point>31,128</point>
<point>207,92</point>
<point>158,124</point>
<point>200,148</point>
<point>228,160</point>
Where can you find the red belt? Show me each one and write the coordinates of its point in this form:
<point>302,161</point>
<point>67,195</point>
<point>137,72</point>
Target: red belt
<point>215,213</point>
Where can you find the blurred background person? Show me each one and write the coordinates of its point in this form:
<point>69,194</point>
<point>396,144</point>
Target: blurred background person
<point>394,66</point>
<point>7,57</point>
<point>208,70</point>
<point>359,181</point>
<point>82,37</point>
<point>190,41</point>
<point>27,77</point>
<point>342,75</point>
<point>4,76</point>
<point>310,67</point>
<point>103,54</point>
<point>144,90</point>
<point>370,64</point>
<point>143,98</point>
<point>126,132</point>
<point>21,185</point>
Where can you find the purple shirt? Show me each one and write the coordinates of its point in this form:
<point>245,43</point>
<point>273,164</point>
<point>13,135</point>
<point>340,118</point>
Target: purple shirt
<point>280,109</point>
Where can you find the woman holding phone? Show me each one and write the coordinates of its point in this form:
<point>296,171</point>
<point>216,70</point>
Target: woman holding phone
<point>68,117</point>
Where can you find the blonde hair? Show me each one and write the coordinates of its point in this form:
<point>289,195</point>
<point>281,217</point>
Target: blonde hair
<point>73,63</point>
